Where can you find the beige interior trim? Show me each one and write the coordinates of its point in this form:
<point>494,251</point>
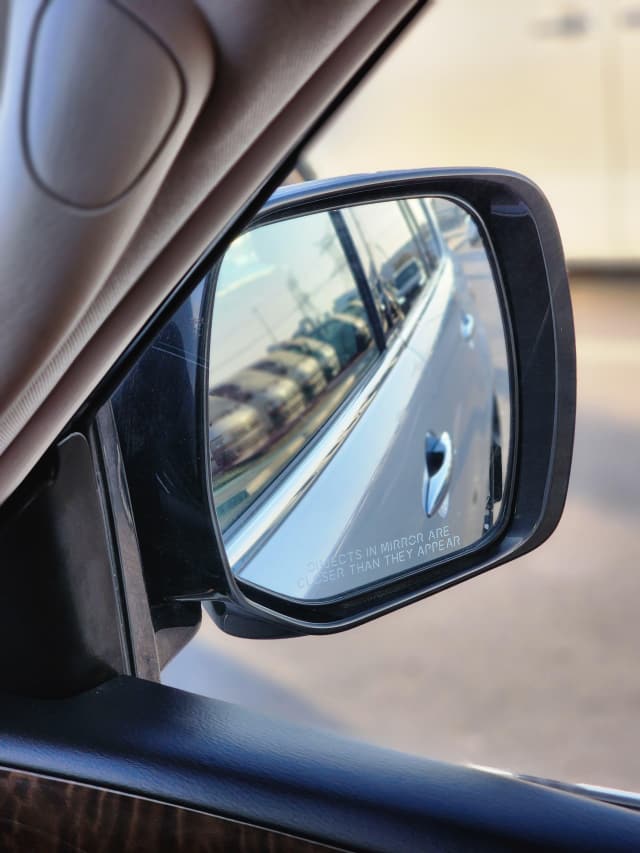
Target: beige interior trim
<point>89,128</point>
<point>278,65</point>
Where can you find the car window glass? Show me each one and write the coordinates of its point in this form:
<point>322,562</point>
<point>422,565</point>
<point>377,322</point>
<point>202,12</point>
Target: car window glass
<point>425,230</point>
<point>452,221</point>
<point>387,317</point>
<point>395,260</point>
<point>290,338</point>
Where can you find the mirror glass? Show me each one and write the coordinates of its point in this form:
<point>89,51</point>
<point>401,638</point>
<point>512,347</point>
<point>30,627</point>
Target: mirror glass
<point>359,396</point>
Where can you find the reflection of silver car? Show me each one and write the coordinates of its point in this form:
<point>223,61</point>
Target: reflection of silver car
<point>303,369</point>
<point>410,472</point>
<point>237,432</point>
<point>408,279</point>
<point>322,352</point>
<point>277,397</point>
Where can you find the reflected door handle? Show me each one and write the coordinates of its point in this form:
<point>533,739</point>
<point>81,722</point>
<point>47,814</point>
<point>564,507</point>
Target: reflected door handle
<point>564,25</point>
<point>437,475</point>
<point>467,326</point>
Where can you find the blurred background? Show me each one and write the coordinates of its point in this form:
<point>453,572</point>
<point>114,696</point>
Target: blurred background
<point>534,666</point>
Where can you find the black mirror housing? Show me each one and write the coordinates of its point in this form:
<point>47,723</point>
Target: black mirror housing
<point>169,479</point>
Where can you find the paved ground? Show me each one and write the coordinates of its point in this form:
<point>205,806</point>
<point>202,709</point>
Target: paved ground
<point>533,667</point>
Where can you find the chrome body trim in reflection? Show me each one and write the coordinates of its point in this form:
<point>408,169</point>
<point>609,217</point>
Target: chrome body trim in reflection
<point>248,534</point>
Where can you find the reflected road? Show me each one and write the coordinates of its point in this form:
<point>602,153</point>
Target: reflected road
<point>532,667</point>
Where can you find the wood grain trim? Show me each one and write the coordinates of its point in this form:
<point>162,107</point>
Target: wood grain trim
<point>41,814</point>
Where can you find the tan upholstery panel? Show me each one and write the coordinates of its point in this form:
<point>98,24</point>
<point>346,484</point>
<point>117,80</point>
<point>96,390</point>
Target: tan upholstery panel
<point>59,242</point>
<point>278,65</point>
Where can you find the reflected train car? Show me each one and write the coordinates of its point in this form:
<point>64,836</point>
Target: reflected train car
<point>348,335</point>
<point>355,308</point>
<point>237,431</point>
<point>304,370</point>
<point>324,353</point>
<point>277,397</point>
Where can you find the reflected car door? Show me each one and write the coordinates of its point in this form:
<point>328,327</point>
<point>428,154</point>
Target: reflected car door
<point>454,385</point>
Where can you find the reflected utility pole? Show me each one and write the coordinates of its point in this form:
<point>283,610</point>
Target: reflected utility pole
<point>266,326</point>
<point>303,300</point>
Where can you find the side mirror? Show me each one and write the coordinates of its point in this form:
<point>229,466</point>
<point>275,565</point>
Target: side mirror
<point>386,398</point>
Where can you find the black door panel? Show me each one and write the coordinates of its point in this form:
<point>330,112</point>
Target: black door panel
<point>164,744</point>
